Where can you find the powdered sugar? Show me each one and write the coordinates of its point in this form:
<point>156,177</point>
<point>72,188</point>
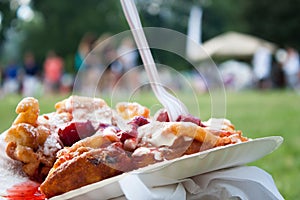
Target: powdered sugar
<point>10,170</point>
<point>51,145</point>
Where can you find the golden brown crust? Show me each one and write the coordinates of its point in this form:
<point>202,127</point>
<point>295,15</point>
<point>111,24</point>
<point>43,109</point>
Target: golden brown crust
<point>28,111</point>
<point>88,167</point>
<point>79,102</point>
<point>87,144</point>
<point>26,138</point>
<point>86,109</point>
<point>131,110</point>
<point>193,131</point>
<point>22,134</point>
<point>95,141</point>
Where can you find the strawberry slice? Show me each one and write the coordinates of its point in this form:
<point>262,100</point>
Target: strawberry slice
<point>190,118</point>
<point>75,131</point>
<point>132,133</point>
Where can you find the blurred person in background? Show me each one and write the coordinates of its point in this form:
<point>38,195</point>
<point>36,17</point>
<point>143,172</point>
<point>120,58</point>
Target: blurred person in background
<point>291,68</point>
<point>84,48</point>
<point>262,62</point>
<point>277,73</point>
<point>128,55</point>
<point>11,83</point>
<point>114,69</point>
<point>31,82</point>
<point>93,75</point>
<point>53,71</point>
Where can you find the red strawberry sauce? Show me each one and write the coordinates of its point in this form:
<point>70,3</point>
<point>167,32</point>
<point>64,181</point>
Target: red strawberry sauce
<point>28,190</point>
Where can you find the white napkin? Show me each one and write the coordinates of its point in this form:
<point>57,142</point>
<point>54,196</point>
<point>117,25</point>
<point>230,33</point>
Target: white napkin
<point>244,182</point>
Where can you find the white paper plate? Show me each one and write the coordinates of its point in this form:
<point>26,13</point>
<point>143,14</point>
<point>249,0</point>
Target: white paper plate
<point>183,167</point>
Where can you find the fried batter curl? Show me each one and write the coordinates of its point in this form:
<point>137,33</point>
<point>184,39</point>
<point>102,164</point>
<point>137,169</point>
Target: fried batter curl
<point>25,140</point>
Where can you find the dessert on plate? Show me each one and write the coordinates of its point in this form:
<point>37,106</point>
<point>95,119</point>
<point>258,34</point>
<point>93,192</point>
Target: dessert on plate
<point>85,141</point>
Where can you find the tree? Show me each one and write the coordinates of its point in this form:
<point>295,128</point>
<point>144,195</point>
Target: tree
<point>63,24</point>
<point>218,16</point>
<point>7,16</point>
<point>59,25</point>
<point>274,20</point>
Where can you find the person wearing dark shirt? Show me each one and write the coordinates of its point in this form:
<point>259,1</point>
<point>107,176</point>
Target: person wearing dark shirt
<point>11,78</point>
<point>31,83</point>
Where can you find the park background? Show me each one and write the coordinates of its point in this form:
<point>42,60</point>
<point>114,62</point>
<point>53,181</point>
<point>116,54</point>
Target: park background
<point>45,25</point>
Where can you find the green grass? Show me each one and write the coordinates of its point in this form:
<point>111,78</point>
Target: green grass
<point>256,113</point>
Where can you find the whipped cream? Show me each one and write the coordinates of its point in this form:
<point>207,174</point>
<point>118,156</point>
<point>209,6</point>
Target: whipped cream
<point>157,133</point>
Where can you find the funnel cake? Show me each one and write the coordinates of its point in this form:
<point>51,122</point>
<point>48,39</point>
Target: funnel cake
<point>94,142</point>
<point>33,144</point>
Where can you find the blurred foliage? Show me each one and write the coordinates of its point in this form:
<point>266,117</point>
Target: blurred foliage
<point>220,16</point>
<point>64,23</point>
<point>275,20</point>
<point>7,16</point>
<point>60,25</point>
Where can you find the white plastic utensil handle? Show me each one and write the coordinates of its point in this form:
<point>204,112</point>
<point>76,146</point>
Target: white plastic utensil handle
<point>134,22</point>
<point>173,105</point>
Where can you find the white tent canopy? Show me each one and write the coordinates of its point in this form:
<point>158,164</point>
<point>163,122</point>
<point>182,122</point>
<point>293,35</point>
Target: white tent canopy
<point>232,44</point>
